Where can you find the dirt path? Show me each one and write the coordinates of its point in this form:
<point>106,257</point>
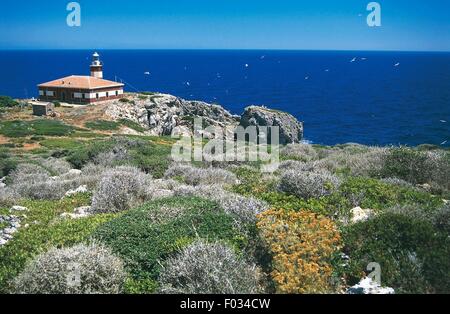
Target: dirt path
<point>3,140</point>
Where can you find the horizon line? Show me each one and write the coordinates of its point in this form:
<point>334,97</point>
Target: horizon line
<point>221,49</point>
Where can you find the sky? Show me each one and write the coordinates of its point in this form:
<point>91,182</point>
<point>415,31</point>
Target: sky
<point>416,25</point>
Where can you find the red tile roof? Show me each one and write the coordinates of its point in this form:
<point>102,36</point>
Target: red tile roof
<point>81,82</point>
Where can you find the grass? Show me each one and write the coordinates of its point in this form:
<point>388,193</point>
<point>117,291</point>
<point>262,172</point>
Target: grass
<point>45,230</point>
<point>102,125</point>
<point>46,127</point>
<point>132,125</point>
<point>142,243</point>
<point>61,143</point>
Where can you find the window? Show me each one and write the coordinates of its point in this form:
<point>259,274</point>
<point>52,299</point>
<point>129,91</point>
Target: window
<point>117,93</point>
<point>96,95</point>
<point>107,94</point>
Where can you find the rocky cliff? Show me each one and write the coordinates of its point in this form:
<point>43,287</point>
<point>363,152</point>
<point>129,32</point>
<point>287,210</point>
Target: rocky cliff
<point>161,114</point>
<point>291,130</point>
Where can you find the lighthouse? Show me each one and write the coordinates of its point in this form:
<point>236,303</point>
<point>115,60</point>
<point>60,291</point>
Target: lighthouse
<point>82,89</point>
<point>96,66</point>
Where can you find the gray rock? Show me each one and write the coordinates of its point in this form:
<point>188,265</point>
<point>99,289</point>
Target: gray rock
<point>18,208</point>
<point>80,189</point>
<point>290,129</point>
<point>79,212</point>
<point>368,286</point>
<point>160,114</point>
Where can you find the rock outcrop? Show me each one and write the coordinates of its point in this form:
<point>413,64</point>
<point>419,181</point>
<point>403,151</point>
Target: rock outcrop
<point>291,130</point>
<point>160,114</point>
<point>369,286</point>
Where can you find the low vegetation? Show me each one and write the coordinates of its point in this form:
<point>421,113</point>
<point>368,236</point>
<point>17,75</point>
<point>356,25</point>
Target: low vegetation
<point>151,225</point>
<point>20,128</point>
<point>6,101</point>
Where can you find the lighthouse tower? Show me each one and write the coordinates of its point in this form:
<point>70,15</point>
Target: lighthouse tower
<point>96,66</point>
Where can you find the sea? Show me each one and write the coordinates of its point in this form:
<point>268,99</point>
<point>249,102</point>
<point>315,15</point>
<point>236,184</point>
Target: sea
<point>373,98</point>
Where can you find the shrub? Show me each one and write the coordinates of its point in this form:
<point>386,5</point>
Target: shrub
<point>150,157</point>
<point>201,176</point>
<point>413,256</point>
<point>303,152</point>
<point>57,104</point>
<point>7,165</point>
<point>82,269</point>
<point>209,268</point>
<point>441,219</point>
<point>407,164</point>
<point>308,184</point>
<point>56,166</point>
<point>34,181</point>
<point>118,155</point>
<point>144,244</point>
<point>355,160</point>
<point>124,100</point>
<point>120,189</point>
<point>374,194</point>
<point>242,209</point>
<point>7,197</point>
<point>398,182</point>
<point>6,101</point>
<point>439,163</point>
<point>302,245</point>
<point>102,125</point>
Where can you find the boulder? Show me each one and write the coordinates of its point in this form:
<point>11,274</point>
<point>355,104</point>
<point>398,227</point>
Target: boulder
<point>290,129</point>
<point>79,212</point>
<point>359,214</point>
<point>160,114</point>
<point>369,286</point>
<point>80,189</point>
<point>18,209</point>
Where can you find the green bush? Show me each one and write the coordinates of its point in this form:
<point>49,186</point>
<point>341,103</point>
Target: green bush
<point>413,255</point>
<point>124,100</point>
<point>407,164</point>
<point>45,231</point>
<point>102,125</point>
<point>148,156</point>
<point>132,125</point>
<point>7,164</point>
<point>374,194</point>
<point>6,101</point>
<point>57,104</point>
<point>143,244</point>
<point>18,128</point>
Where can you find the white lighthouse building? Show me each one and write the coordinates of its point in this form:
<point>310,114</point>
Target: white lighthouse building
<point>96,66</point>
<point>82,89</point>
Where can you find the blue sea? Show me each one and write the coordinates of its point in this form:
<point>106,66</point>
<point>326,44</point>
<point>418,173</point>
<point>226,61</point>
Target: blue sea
<point>380,98</point>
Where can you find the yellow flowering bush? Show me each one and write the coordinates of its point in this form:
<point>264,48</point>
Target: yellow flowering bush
<point>302,244</point>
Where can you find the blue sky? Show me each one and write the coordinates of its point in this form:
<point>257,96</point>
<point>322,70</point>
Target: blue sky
<point>226,24</point>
